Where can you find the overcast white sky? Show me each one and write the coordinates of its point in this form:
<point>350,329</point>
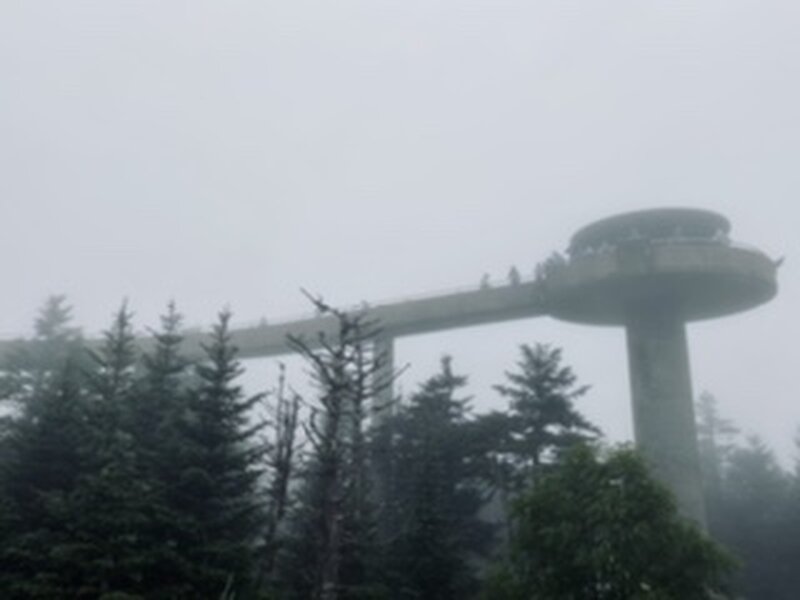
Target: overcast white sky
<point>230,152</point>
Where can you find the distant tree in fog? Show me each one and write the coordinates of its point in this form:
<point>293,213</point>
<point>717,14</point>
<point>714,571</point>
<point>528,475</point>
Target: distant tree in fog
<point>31,364</point>
<point>753,506</point>
<point>716,437</point>
<point>752,517</point>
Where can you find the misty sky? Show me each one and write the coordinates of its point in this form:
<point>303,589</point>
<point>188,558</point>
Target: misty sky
<point>230,152</point>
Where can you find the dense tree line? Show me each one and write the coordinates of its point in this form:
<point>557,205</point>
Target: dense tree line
<point>127,476</point>
<point>131,471</point>
<point>753,505</point>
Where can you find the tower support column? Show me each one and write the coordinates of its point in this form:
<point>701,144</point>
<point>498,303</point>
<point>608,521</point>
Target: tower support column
<point>663,409</point>
<point>383,351</point>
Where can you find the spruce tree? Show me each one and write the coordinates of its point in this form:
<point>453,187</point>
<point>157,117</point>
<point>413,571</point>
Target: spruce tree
<point>44,459</point>
<point>754,519</point>
<point>716,440</point>
<point>542,420</point>
<point>45,435</point>
<point>113,502</point>
<point>156,409</point>
<point>435,532</point>
<point>33,364</point>
<point>220,464</point>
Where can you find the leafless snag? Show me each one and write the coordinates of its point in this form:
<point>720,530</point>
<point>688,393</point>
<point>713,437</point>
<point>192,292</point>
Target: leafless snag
<point>281,457</point>
<point>348,376</point>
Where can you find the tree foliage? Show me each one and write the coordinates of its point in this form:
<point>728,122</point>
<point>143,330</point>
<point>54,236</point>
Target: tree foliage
<point>96,463</point>
<point>542,420</point>
<point>601,528</point>
<point>754,516</point>
<point>129,471</point>
<point>752,504</point>
<point>433,529</point>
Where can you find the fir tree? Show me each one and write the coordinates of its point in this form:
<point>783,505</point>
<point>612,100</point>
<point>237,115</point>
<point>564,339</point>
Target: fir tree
<point>44,449</point>
<point>434,528</point>
<point>542,421</point>
<point>716,440</point>
<point>34,363</point>
<point>753,520</point>
<point>220,464</point>
<point>43,463</point>
<point>113,503</point>
<point>156,409</point>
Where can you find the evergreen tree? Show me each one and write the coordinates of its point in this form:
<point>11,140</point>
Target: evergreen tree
<point>791,536</point>
<point>752,506</point>
<point>44,458</point>
<point>33,364</point>
<point>716,440</point>
<point>157,407</point>
<point>112,502</point>
<point>541,423</point>
<point>541,420</point>
<point>220,465</point>
<point>434,529</point>
<point>754,520</point>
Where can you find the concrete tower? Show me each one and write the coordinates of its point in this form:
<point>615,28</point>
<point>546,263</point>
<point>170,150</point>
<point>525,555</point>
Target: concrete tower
<point>652,272</point>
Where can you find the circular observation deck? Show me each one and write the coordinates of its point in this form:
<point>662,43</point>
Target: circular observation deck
<point>668,260</point>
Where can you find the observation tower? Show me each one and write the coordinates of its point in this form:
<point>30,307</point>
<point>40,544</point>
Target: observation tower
<point>652,272</point>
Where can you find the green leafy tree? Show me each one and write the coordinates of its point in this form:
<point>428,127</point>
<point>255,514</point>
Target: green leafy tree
<point>602,528</point>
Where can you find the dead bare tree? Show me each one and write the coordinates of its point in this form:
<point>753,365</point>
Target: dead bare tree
<point>282,416</point>
<point>348,376</point>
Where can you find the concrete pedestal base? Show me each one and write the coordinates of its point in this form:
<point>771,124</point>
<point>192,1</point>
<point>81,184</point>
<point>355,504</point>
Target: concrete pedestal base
<point>663,411</point>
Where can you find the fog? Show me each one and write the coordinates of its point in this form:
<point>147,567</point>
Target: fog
<point>230,153</point>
